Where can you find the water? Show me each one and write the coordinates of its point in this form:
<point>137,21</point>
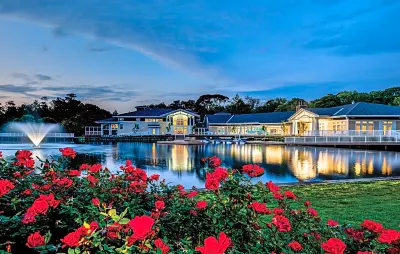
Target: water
<point>181,164</point>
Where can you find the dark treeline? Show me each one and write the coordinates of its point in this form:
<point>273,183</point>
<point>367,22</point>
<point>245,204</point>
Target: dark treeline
<point>71,113</point>
<point>74,115</point>
<point>213,103</point>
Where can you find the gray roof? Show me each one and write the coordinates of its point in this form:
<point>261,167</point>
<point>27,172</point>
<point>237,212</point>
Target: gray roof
<point>218,118</point>
<point>273,117</point>
<point>358,109</point>
<point>153,112</point>
<point>149,112</point>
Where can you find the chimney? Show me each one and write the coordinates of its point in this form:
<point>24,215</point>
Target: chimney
<point>138,108</point>
<point>300,106</point>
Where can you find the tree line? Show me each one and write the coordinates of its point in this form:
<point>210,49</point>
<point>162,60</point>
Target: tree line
<point>74,114</point>
<point>71,113</point>
<point>213,103</point>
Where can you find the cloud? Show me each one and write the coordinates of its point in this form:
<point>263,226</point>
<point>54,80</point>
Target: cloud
<point>358,33</point>
<point>98,48</point>
<point>43,77</point>
<point>19,89</point>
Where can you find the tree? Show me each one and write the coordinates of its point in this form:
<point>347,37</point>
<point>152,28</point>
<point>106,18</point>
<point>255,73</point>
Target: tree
<point>210,103</point>
<point>238,106</point>
<point>326,101</point>
<point>115,113</point>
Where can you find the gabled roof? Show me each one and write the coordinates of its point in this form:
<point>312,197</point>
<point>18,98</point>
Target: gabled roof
<point>371,109</point>
<point>153,112</point>
<point>149,112</point>
<point>218,118</point>
<point>273,117</point>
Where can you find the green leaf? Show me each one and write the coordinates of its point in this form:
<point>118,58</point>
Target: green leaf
<point>124,221</point>
<point>71,251</point>
<point>112,212</point>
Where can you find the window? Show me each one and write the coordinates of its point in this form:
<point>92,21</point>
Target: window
<point>114,126</point>
<point>387,127</point>
<point>120,119</point>
<point>365,127</point>
<point>152,120</point>
<point>121,126</point>
<point>179,121</point>
<point>154,131</point>
<point>106,127</point>
<point>339,125</point>
<point>273,131</point>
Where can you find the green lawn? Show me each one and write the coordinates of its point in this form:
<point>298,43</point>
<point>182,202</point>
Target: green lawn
<point>354,202</point>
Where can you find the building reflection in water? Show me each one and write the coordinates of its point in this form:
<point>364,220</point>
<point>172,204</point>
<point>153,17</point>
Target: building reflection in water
<point>180,159</point>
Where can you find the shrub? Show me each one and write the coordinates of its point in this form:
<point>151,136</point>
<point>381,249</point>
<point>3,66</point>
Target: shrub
<point>91,210</point>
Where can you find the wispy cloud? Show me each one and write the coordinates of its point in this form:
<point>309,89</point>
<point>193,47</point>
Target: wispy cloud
<point>43,77</point>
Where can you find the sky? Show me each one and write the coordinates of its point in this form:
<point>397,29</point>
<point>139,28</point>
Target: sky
<point>122,53</point>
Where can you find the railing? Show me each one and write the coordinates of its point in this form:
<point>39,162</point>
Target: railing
<point>343,139</point>
<point>93,131</point>
<point>50,135</point>
<point>372,133</point>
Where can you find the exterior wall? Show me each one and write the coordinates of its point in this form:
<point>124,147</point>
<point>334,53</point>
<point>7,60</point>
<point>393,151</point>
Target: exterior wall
<point>247,129</point>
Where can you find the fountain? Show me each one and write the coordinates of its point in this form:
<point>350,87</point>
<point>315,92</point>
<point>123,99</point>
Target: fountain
<point>36,132</point>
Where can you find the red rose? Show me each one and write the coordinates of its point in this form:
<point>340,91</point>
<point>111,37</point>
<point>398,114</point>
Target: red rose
<point>68,152</point>
<point>154,177</point>
<point>74,172</point>
<point>214,246</point>
<point>5,187</point>
<point>372,226</point>
<point>192,194</point>
<point>253,170</point>
<point>141,227</point>
<point>180,187</point>
<point>278,196</point>
<point>272,187</point>
<point>290,195</point>
<point>334,246</point>
<point>95,168</point>
<point>35,240</point>
<point>281,223</point>
<point>24,158</point>
<point>92,180</point>
<point>72,239</point>
<point>295,246</point>
<point>84,167</point>
<point>312,212</point>
<point>278,211</point>
<point>220,173</point>
<point>212,182</point>
<point>161,246</point>
<point>259,207</point>
<point>64,182</point>
<point>160,205</point>
<point>332,223</point>
<point>201,205</point>
<point>307,203</point>
<point>214,162</point>
<point>95,201</point>
<point>27,192</point>
<point>389,236</point>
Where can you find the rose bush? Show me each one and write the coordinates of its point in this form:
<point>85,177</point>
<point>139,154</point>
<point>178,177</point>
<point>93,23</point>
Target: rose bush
<point>88,209</point>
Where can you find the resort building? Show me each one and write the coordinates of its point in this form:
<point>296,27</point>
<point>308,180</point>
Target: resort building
<point>352,119</point>
<point>147,121</point>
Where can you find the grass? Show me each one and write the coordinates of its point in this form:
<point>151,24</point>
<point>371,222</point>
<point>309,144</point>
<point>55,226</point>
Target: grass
<point>354,202</point>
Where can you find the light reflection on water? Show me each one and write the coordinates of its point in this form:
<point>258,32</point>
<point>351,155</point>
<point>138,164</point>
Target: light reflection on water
<point>181,164</point>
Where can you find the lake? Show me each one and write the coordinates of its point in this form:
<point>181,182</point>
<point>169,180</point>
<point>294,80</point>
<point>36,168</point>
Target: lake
<point>180,164</point>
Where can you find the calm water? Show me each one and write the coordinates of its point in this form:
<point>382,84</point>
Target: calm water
<point>181,164</point>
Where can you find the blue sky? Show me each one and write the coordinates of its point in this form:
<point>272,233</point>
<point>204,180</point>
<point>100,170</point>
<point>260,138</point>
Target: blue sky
<point>122,53</point>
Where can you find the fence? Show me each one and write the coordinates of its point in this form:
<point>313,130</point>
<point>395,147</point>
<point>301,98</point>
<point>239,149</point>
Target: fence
<point>343,139</point>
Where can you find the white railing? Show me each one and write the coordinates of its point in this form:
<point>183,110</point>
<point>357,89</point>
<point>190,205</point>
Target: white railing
<point>343,139</point>
<point>352,133</point>
<point>50,135</point>
<point>93,131</point>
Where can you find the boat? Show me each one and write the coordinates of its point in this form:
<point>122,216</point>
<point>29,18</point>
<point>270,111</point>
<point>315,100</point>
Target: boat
<point>217,141</point>
<point>228,141</point>
<point>206,141</point>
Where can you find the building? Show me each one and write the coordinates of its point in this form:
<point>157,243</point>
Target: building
<point>352,119</point>
<point>147,121</point>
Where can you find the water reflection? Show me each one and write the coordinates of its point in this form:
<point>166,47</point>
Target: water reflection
<point>181,164</point>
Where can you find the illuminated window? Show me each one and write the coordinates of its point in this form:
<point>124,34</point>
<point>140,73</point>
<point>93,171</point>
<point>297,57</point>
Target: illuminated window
<point>154,131</point>
<point>179,121</point>
<point>114,126</point>
<point>387,127</point>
